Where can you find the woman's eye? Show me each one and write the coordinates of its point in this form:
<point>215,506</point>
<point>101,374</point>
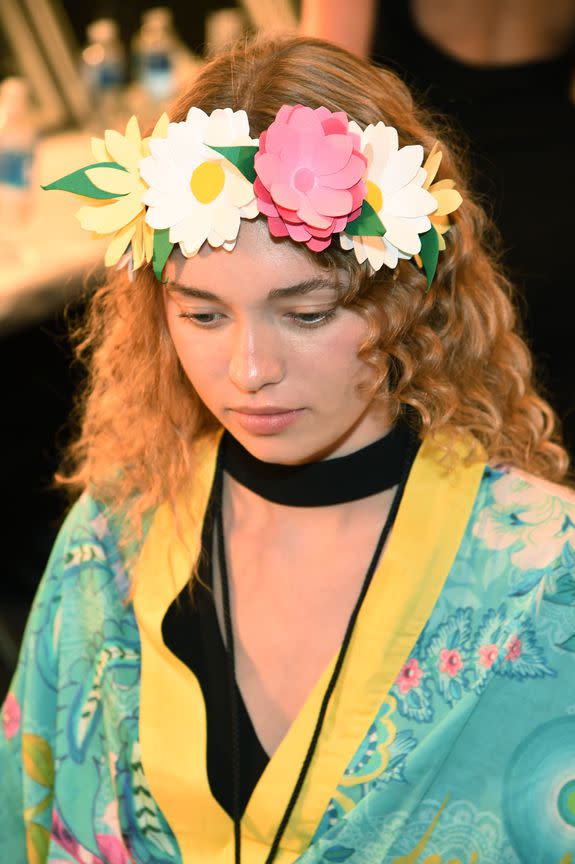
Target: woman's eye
<point>312,319</point>
<point>204,319</point>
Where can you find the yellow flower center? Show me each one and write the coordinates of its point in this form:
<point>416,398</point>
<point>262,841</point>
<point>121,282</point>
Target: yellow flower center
<point>374,196</point>
<point>207,181</point>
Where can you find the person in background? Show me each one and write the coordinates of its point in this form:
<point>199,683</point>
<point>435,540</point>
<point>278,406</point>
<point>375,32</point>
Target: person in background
<point>314,599</point>
<point>501,73</point>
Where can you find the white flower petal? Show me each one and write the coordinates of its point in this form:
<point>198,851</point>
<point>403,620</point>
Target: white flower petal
<point>226,221</point>
<point>409,201</point>
<point>190,233</point>
<point>214,239</point>
<point>401,168</point>
<point>381,143</point>
<point>239,192</point>
<point>197,120</point>
<point>374,251</point>
<point>250,211</point>
<point>401,233</point>
<point>219,131</point>
<point>240,124</point>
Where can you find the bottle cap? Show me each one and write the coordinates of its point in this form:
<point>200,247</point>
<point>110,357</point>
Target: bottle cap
<point>158,18</point>
<point>14,95</point>
<point>102,30</point>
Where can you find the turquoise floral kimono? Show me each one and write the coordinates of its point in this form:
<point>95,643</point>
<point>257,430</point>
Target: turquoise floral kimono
<point>450,738</point>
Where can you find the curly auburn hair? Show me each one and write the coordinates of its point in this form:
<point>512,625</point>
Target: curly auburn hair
<point>451,357</point>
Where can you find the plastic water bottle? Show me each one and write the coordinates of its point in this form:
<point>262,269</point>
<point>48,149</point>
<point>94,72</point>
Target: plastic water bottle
<point>104,70</point>
<point>18,135</point>
<point>153,52</point>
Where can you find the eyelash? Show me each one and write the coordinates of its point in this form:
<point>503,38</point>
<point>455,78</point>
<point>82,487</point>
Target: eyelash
<point>326,317</point>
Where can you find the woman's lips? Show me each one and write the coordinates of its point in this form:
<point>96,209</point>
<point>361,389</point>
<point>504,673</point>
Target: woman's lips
<point>266,424</point>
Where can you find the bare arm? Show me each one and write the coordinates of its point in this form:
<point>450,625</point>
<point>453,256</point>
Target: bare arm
<point>349,23</point>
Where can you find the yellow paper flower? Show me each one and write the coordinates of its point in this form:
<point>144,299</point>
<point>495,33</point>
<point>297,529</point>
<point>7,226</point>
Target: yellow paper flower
<point>444,191</point>
<point>124,216</point>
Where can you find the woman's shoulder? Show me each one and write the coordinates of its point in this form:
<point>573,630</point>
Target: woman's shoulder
<point>528,517</point>
<point>95,545</point>
<point>514,486</point>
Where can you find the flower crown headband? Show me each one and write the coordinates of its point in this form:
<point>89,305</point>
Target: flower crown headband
<point>313,173</point>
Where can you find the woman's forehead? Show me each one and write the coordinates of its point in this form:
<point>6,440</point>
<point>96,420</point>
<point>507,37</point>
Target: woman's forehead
<point>258,265</point>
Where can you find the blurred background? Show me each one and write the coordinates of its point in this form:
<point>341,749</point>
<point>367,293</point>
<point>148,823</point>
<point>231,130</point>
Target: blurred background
<point>499,71</point>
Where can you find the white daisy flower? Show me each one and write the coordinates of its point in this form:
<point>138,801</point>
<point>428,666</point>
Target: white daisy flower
<point>394,180</point>
<point>193,190</point>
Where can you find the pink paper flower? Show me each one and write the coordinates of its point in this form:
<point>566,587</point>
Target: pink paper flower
<point>410,676</point>
<point>11,716</point>
<point>309,175</point>
<point>450,662</point>
<point>488,655</point>
<point>513,649</point>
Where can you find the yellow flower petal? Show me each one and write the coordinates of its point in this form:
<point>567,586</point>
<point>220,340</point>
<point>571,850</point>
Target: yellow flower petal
<point>121,150</point>
<point>133,134</point>
<point>112,217</point>
<point>99,150</point>
<point>442,184</point>
<point>148,241</point>
<point>440,223</point>
<point>448,200</point>
<point>432,164</point>
<point>160,131</point>
<point>119,244</point>
<point>139,243</point>
<point>113,180</point>
<point>161,127</point>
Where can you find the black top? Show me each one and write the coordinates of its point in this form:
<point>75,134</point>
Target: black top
<point>190,627</point>
<point>192,632</point>
<point>516,123</point>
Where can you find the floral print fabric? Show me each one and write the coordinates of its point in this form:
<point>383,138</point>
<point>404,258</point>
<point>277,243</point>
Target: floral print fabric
<point>470,759</point>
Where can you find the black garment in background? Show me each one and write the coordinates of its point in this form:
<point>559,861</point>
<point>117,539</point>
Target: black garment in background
<point>519,123</point>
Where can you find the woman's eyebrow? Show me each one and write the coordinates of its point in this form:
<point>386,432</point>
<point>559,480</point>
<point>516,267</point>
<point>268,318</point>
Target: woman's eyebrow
<point>295,290</point>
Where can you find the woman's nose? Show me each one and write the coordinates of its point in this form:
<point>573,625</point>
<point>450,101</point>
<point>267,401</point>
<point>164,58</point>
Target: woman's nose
<point>255,357</point>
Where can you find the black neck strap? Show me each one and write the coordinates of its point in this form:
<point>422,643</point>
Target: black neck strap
<point>367,471</point>
<point>404,465</point>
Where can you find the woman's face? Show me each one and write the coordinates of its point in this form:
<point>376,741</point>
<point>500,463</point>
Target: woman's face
<point>263,342</point>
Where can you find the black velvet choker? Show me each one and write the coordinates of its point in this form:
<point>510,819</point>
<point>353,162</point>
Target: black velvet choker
<point>374,468</point>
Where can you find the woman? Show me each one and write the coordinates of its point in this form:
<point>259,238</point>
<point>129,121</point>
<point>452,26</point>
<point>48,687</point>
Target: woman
<point>315,601</point>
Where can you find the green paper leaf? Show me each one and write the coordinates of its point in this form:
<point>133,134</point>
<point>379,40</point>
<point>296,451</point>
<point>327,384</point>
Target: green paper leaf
<point>429,253</point>
<point>79,184</point>
<point>162,249</point>
<point>367,224</point>
<point>242,156</point>
<point>37,758</point>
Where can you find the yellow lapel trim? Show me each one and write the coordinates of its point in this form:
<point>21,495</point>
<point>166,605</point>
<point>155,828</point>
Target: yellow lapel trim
<point>421,549</point>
